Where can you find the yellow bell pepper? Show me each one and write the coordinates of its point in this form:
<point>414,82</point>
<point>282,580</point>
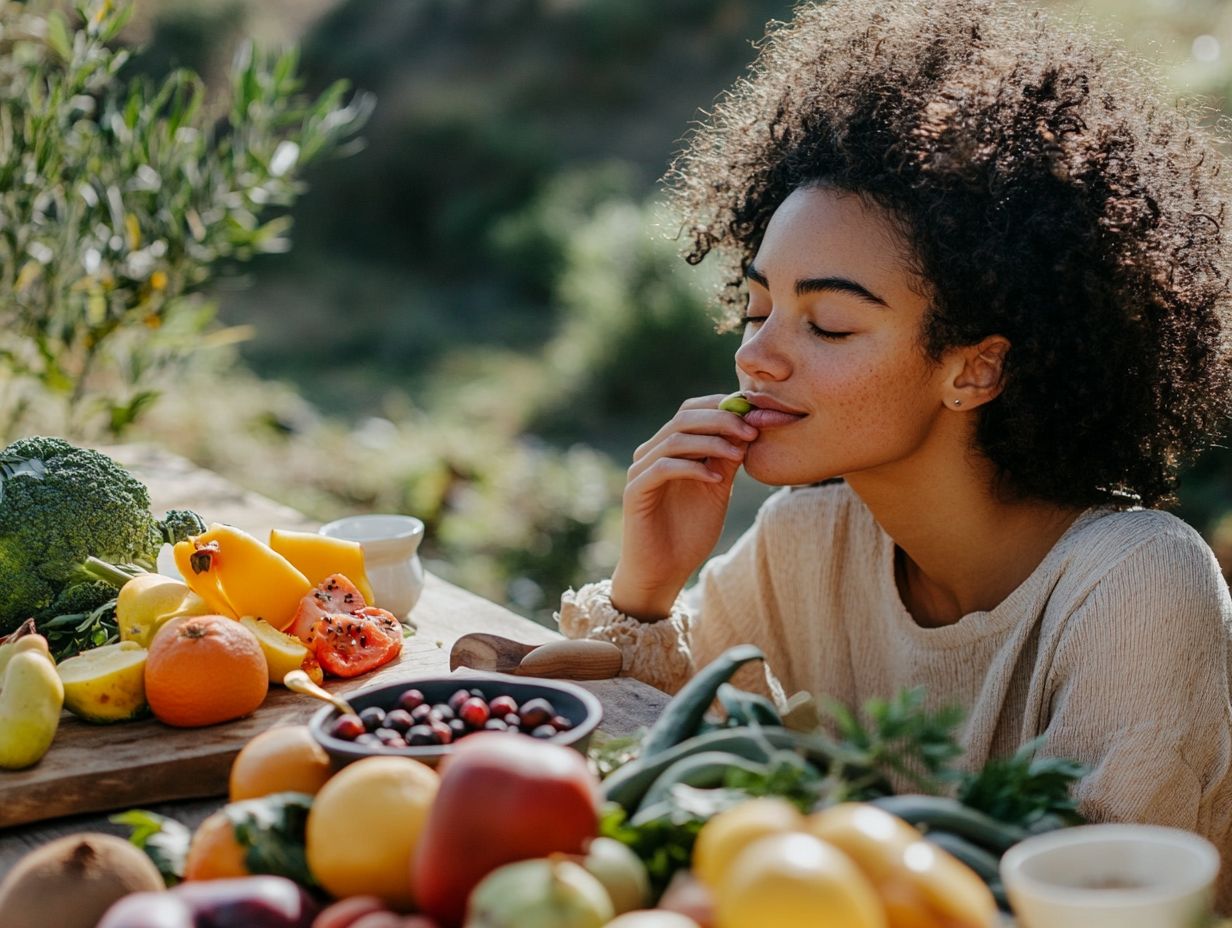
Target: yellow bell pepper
<point>238,575</point>
<point>319,556</point>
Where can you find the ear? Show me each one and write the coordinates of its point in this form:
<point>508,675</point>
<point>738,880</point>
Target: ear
<point>979,373</point>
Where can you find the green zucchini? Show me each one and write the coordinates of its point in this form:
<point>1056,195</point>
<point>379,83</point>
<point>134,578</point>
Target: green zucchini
<point>981,862</point>
<point>628,784</point>
<point>706,770</point>
<point>681,717</point>
<point>745,708</point>
<point>945,814</point>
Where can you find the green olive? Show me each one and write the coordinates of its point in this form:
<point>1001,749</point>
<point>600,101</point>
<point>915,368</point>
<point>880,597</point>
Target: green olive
<point>736,403</point>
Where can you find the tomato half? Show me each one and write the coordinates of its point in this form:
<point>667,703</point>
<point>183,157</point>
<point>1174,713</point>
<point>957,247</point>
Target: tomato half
<point>350,643</point>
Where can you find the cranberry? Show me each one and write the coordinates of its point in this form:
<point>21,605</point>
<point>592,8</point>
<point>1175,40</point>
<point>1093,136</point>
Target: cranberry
<point>502,706</point>
<point>410,700</point>
<point>421,713</point>
<point>476,691</point>
<point>399,720</point>
<point>543,731</point>
<point>389,737</point>
<point>474,712</point>
<point>536,712</point>
<point>459,697</point>
<point>443,712</point>
<point>368,739</point>
<point>347,727</point>
<point>560,723</point>
<point>495,725</point>
<point>444,734</point>
<point>372,717</point>
<point>421,734</point>
<point>458,727</point>
<point>513,720</point>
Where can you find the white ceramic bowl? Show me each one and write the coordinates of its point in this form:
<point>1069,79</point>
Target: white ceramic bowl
<point>390,544</point>
<point>1111,876</point>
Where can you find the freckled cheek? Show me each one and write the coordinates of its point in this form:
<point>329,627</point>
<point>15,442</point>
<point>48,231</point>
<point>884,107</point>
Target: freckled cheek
<point>876,403</point>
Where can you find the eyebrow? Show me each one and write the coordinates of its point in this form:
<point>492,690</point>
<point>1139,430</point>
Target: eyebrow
<point>808,285</point>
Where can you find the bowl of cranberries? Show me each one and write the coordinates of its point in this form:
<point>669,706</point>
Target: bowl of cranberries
<point>422,717</point>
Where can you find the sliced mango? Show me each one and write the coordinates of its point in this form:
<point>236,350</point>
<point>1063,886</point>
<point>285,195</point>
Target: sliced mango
<point>318,556</point>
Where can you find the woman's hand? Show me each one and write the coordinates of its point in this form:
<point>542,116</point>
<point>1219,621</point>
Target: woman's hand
<point>674,504</point>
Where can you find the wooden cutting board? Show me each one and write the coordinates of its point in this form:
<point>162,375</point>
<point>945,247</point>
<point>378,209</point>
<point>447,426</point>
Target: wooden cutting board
<point>94,768</point>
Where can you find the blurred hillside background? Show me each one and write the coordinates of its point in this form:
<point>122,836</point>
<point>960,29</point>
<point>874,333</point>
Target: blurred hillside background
<point>481,313</point>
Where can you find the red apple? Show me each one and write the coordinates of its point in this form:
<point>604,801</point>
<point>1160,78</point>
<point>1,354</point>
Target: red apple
<point>503,797</point>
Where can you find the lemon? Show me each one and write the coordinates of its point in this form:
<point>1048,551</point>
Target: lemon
<point>364,826</point>
<point>725,835</point>
<point>105,684</point>
<point>283,652</point>
<point>794,880</point>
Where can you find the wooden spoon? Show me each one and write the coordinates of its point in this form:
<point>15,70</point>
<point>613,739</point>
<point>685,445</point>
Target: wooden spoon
<point>299,682</point>
<point>583,659</point>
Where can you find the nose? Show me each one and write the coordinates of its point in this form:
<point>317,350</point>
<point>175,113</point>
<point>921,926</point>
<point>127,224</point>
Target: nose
<point>761,356</point>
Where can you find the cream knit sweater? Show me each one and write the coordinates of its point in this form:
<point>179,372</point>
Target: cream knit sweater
<point>1116,649</point>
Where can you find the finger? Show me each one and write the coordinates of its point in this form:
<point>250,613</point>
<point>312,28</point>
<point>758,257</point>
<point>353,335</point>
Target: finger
<point>667,470</point>
<point>689,446</point>
<point>702,421</point>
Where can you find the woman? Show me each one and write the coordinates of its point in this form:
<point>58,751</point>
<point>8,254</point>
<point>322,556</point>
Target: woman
<point>983,277</point>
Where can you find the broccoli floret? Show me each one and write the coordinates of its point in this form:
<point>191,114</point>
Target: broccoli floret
<point>59,505</point>
<point>179,525</point>
<point>80,599</point>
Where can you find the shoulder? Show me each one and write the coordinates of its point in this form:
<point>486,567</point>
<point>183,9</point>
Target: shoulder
<point>1145,564</point>
<point>1109,541</point>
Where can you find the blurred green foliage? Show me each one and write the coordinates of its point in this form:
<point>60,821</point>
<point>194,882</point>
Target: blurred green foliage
<point>483,313</point>
<point>120,196</point>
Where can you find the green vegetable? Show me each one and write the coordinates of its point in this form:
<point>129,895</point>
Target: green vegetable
<point>685,712</point>
<point>744,708</point>
<point>735,402</point>
<point>984,864</point>
<point>709,768</point>
<point>628,785</point>
<point>59,505</point>
<point>942,813</point>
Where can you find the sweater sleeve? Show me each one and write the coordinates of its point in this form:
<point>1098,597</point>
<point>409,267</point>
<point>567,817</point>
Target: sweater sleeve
<point>1140,694</point>
<point>728,606</point>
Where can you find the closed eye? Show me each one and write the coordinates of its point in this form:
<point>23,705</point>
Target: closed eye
<point>826,333</point>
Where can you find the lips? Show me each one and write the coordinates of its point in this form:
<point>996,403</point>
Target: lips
<point>769,413</point>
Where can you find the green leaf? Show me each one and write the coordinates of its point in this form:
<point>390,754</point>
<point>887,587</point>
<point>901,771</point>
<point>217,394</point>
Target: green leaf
<point>164,840</point>
<point>271,831</point>
<point>57,36</point>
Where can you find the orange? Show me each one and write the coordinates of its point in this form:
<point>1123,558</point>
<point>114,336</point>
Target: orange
<point>204,669</point>
<point>282,759</point>
<point>214,853</point>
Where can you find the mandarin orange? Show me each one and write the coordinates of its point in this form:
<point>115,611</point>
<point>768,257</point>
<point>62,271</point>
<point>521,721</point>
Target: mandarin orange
<point>281,759</point>
<point>205,669</point>
<point>214,852</point>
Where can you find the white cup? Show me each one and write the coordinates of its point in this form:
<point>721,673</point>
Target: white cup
<point>390,543</point>
<point>1111,876</point>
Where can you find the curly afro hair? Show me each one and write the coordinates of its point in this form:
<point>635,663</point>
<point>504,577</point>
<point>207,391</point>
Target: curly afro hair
<point>1051,197</point>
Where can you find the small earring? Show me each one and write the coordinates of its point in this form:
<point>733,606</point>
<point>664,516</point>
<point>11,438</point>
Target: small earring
<point>958,402</point>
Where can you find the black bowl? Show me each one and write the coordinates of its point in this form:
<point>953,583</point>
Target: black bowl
<point>576,704</point>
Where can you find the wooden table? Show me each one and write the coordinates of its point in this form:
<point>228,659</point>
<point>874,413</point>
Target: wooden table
<point>183,772</point>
